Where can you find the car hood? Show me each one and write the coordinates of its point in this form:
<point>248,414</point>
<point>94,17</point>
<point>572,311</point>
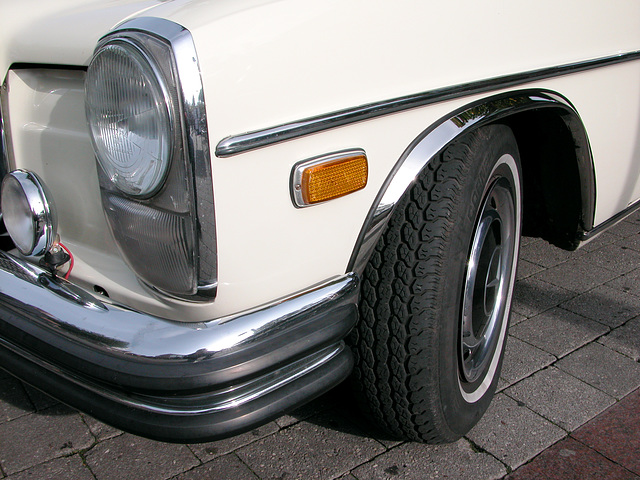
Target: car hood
<point>63,32</point>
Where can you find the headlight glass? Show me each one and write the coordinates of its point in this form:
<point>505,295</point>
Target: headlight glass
<point>18,219</point>
<point>130,118</point>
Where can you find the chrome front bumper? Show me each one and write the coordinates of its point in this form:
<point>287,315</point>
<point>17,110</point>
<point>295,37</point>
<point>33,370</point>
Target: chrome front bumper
<point>172,381</point>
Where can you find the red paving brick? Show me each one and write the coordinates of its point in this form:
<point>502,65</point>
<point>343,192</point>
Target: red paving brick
<point>616,432</point>
<point>571,460</point>
<point>607,447</point>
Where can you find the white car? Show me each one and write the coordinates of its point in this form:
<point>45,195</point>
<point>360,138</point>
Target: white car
<point>217,211</point>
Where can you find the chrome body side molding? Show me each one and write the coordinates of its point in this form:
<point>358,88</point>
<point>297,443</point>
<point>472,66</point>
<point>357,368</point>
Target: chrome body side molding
<point>169,380</point>
<point>236,144</point>
<point>587,236</point>
<point>438,136</point>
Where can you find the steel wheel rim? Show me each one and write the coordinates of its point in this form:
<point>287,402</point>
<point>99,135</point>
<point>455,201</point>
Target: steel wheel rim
<point>488,282</point>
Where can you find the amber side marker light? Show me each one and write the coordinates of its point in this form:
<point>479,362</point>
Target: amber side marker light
<point>327,177</point>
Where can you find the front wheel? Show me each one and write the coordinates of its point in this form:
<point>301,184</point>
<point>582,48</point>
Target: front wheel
<point>436,293</point>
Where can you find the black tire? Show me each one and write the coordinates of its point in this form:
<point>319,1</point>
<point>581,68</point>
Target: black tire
<point>430,340</point>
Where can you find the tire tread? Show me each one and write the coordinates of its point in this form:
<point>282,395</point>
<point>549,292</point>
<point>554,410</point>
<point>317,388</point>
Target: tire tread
<point>394,376</point>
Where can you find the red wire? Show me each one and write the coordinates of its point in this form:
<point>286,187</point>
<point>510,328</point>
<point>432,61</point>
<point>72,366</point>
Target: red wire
<point>71,261</point>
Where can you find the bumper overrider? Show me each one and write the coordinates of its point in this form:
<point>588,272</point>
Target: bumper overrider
<point>167,380</point>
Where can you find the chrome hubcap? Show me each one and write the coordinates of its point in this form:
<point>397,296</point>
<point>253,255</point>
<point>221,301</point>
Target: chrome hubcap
<point>487,281</point>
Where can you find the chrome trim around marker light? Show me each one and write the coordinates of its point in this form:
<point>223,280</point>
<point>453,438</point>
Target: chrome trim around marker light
<point>300,167</point>
<point>245,142</point>
<point>435,138</point>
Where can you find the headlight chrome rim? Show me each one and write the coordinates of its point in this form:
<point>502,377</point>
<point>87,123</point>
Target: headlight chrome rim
<point>28,212</point>
<point>123,174</point>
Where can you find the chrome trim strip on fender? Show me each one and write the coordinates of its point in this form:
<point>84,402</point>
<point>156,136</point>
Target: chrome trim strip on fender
<point>431,141</point>
<point>236,144</point>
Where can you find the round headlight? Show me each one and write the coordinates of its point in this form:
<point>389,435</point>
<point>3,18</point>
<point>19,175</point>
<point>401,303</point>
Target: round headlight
<point>129,113</point>
<point>28,213</point>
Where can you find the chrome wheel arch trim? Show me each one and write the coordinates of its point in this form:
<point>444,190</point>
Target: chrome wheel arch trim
<point>244,142</point>
<point>195,136</point>
<point>442,133</point>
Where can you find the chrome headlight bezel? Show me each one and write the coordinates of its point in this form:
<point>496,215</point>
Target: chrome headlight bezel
<point>167,236</point>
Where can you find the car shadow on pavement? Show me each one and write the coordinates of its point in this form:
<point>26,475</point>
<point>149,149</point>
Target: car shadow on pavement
<point>18,399</point>
<point>338,410</point>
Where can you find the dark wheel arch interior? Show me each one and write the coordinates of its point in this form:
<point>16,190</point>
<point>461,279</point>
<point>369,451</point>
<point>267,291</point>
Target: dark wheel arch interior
<point>559,193</point>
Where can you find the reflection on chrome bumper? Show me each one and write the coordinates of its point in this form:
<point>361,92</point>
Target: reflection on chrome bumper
<point>167,380</point>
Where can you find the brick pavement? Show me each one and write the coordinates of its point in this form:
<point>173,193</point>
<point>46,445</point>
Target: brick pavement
<point>568,404</point>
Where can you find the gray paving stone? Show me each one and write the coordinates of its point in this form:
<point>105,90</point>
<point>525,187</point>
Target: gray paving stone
<point>14,402</point>
<point>227,467</point>
<point>532,296</point>
<point>211,450</point>
<point>100,430</point>
<point>609,306</point>
<point>630,242</point>
<point>544,254</point>
<point>524,240</point>
<point>526,269</point>
<point>600,241</point>
<point>416,461</point>
<point>616,258</point>
<point>576,275</point>
<point>628,283</point>
<point>626,228</point>
<point>39,437</point>
<point>625,339</point>
<point>320,450</point>
<point>522,360</point>
<point>128,456</point>
<point>513,433</point>
<point>560,398</point>
<point>515,318</point>
<point>603,369</point>
<point>286,420</point>
<point>558,331</point>
<point>68,468</point>
<point>502,384</point>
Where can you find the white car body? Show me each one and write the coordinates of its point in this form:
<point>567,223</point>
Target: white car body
<point>272,63</point>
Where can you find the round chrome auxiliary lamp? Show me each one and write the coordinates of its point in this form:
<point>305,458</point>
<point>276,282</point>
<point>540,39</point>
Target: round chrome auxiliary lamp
<point>28,212</point>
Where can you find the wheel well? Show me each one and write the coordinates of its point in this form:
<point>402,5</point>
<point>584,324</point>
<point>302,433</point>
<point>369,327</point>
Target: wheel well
<point>553,191</point>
